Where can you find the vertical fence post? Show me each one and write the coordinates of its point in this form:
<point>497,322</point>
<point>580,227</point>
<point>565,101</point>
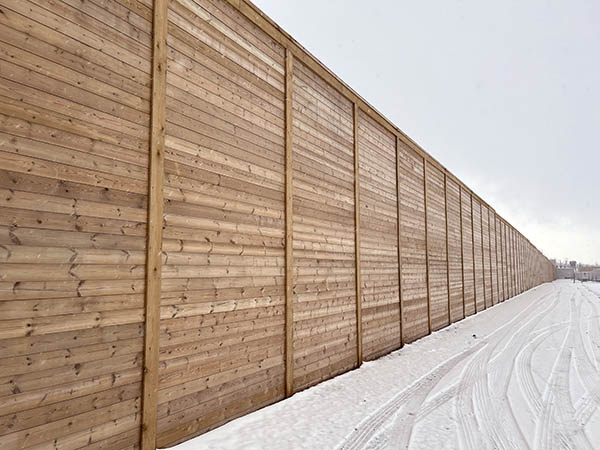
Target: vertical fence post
<point>512,261</point>
<point>289,217</point>
<point>518,257</point>
<point>508,261</point>
<point>154,226</point>
<point>497,266</point>
<point>514,257</point>
<point>462,251</point>
<point>473,249</point>
<point>503,255</point>
<point>399,217</point>
<point>506,264</point>
<point>447,246</point>
<point>491,273</point>
<point>426,245</point>
<point>482,253</point>
<point>359,348</point>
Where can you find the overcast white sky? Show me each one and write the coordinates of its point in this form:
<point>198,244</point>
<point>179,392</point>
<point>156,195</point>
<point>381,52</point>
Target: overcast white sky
<point>505,94</point>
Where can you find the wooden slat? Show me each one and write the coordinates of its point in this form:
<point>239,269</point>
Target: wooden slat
<point>155,222</point>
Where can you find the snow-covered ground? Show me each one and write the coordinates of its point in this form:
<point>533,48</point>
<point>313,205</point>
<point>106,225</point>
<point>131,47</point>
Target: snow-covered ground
<point>524,374</point>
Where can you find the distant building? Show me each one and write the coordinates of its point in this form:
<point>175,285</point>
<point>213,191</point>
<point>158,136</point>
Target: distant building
<point>580,272</point>
<point>588,274</point>
<point>583,276</point>
<point>565,272</point>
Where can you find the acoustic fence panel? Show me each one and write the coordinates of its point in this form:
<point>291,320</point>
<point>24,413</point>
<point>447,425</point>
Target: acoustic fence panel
<point>478,257</point>
<point>199,219</point>
<point>413,249</point>
<point>499,257</point>
<point>511,261</point>
<point>487,263</point>
<point>494,258</point>
<point>378,239</point>
<point>436,248</point>
<point>468,251</point>
<point>455,250</point>
<point>74,127</point>
<point>325,330</point>
<point>222,301</point>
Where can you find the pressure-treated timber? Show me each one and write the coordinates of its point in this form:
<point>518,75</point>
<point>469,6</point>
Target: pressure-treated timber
<point>514,261</point>
<point>425,185</point>
<point>155,224</point>
<point>413,262</point>
<point>436,248</point>
<point>468,253</point>
<point>462,253</point>
<point>477,269</point>
<point>76,110</point>
<point>483,254</point>
<point>399,226</point>
<point>254,14</point>
<point>223,295</point>
<point>497,256</point>
<point>493,281</point>
<point>501,258</point>
<point>359,324</point>
<point>447,247</point>
<point>289,217</point>
<point>325,339</point>
<point>454,251</point>
<point>75,132</point>
<point>378,203</point>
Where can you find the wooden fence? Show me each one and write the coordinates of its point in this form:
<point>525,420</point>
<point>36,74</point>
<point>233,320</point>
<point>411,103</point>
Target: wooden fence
<point>199,219</point>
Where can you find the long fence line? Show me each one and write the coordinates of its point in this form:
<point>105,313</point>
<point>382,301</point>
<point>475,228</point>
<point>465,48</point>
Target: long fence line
<point>199,219</point>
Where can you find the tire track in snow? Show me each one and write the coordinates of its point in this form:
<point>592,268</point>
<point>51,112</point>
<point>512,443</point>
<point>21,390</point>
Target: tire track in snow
<point>418,391</point>
<point>524,369</point>
<point>451,391</point>
<point>556,427</point>
<point>480,426</point>
<point>368,428</point>
<point>478,380</point>
<point>586,369</point>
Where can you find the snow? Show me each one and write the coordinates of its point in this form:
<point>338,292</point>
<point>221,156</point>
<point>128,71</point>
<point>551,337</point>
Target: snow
<point>523,374</point>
